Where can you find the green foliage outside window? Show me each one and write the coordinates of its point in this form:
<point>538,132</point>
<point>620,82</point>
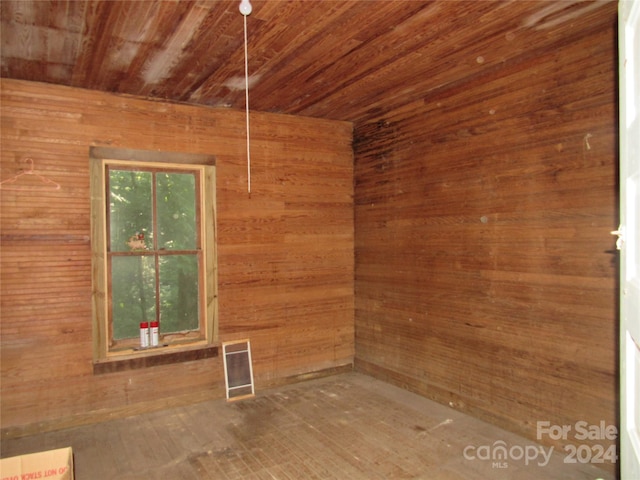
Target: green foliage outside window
<point>155,250</point>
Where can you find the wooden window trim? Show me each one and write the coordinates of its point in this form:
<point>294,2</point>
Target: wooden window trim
<point>152,359</point>
<point>130,358</point>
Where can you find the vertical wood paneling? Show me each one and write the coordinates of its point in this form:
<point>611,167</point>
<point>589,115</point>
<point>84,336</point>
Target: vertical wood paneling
<point>285,252</point>
<point>485,272</point>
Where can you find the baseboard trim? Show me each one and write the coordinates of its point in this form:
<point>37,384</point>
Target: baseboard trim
<point>106,414</point>
<point>301,377</point>
<point>439,395</point>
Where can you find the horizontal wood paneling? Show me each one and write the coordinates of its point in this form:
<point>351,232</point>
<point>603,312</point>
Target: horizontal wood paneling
<point>285,252</point>
<point>485,271</point>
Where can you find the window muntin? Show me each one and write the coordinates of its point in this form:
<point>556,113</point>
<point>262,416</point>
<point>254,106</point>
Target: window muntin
<point>155,261</point>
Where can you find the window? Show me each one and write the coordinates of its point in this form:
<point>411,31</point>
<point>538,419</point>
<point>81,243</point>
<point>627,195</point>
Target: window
<point>153,256</point>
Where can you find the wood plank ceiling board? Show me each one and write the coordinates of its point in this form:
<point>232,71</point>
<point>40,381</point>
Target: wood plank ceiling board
<point>336,59</point>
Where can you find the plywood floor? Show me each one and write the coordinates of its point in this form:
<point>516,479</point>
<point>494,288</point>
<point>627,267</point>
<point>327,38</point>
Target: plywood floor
<point>342,427</point>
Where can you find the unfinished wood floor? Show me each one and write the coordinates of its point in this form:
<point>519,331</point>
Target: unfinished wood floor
<point>343,427</point>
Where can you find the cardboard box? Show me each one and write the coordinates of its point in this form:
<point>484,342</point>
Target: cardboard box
<point>49,465</point>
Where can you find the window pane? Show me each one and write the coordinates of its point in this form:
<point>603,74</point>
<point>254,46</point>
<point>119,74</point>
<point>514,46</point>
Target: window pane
<point>130,210</point>
<point>179,292</point>
<point>176,203</point>
<point>133,294</point>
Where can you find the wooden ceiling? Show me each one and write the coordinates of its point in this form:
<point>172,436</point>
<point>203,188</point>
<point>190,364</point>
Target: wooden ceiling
<point>348,60</point>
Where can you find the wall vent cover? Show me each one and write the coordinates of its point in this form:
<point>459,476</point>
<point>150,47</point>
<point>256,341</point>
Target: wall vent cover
<point>238,372</point>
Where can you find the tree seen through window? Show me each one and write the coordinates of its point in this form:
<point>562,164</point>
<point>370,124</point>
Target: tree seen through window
<point>154,250</point>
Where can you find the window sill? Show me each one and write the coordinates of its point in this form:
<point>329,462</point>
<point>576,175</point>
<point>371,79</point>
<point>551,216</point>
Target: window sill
<point>153,358</point>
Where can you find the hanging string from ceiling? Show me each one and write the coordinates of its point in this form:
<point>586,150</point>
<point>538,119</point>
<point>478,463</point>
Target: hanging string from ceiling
<point>245,10</point>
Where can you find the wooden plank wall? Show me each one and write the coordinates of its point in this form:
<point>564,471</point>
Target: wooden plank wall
<point>486,277</point>
<point>285,252</point>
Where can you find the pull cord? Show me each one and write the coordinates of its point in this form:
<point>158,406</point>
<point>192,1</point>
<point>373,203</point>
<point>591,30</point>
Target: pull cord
<point>246,90</point>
